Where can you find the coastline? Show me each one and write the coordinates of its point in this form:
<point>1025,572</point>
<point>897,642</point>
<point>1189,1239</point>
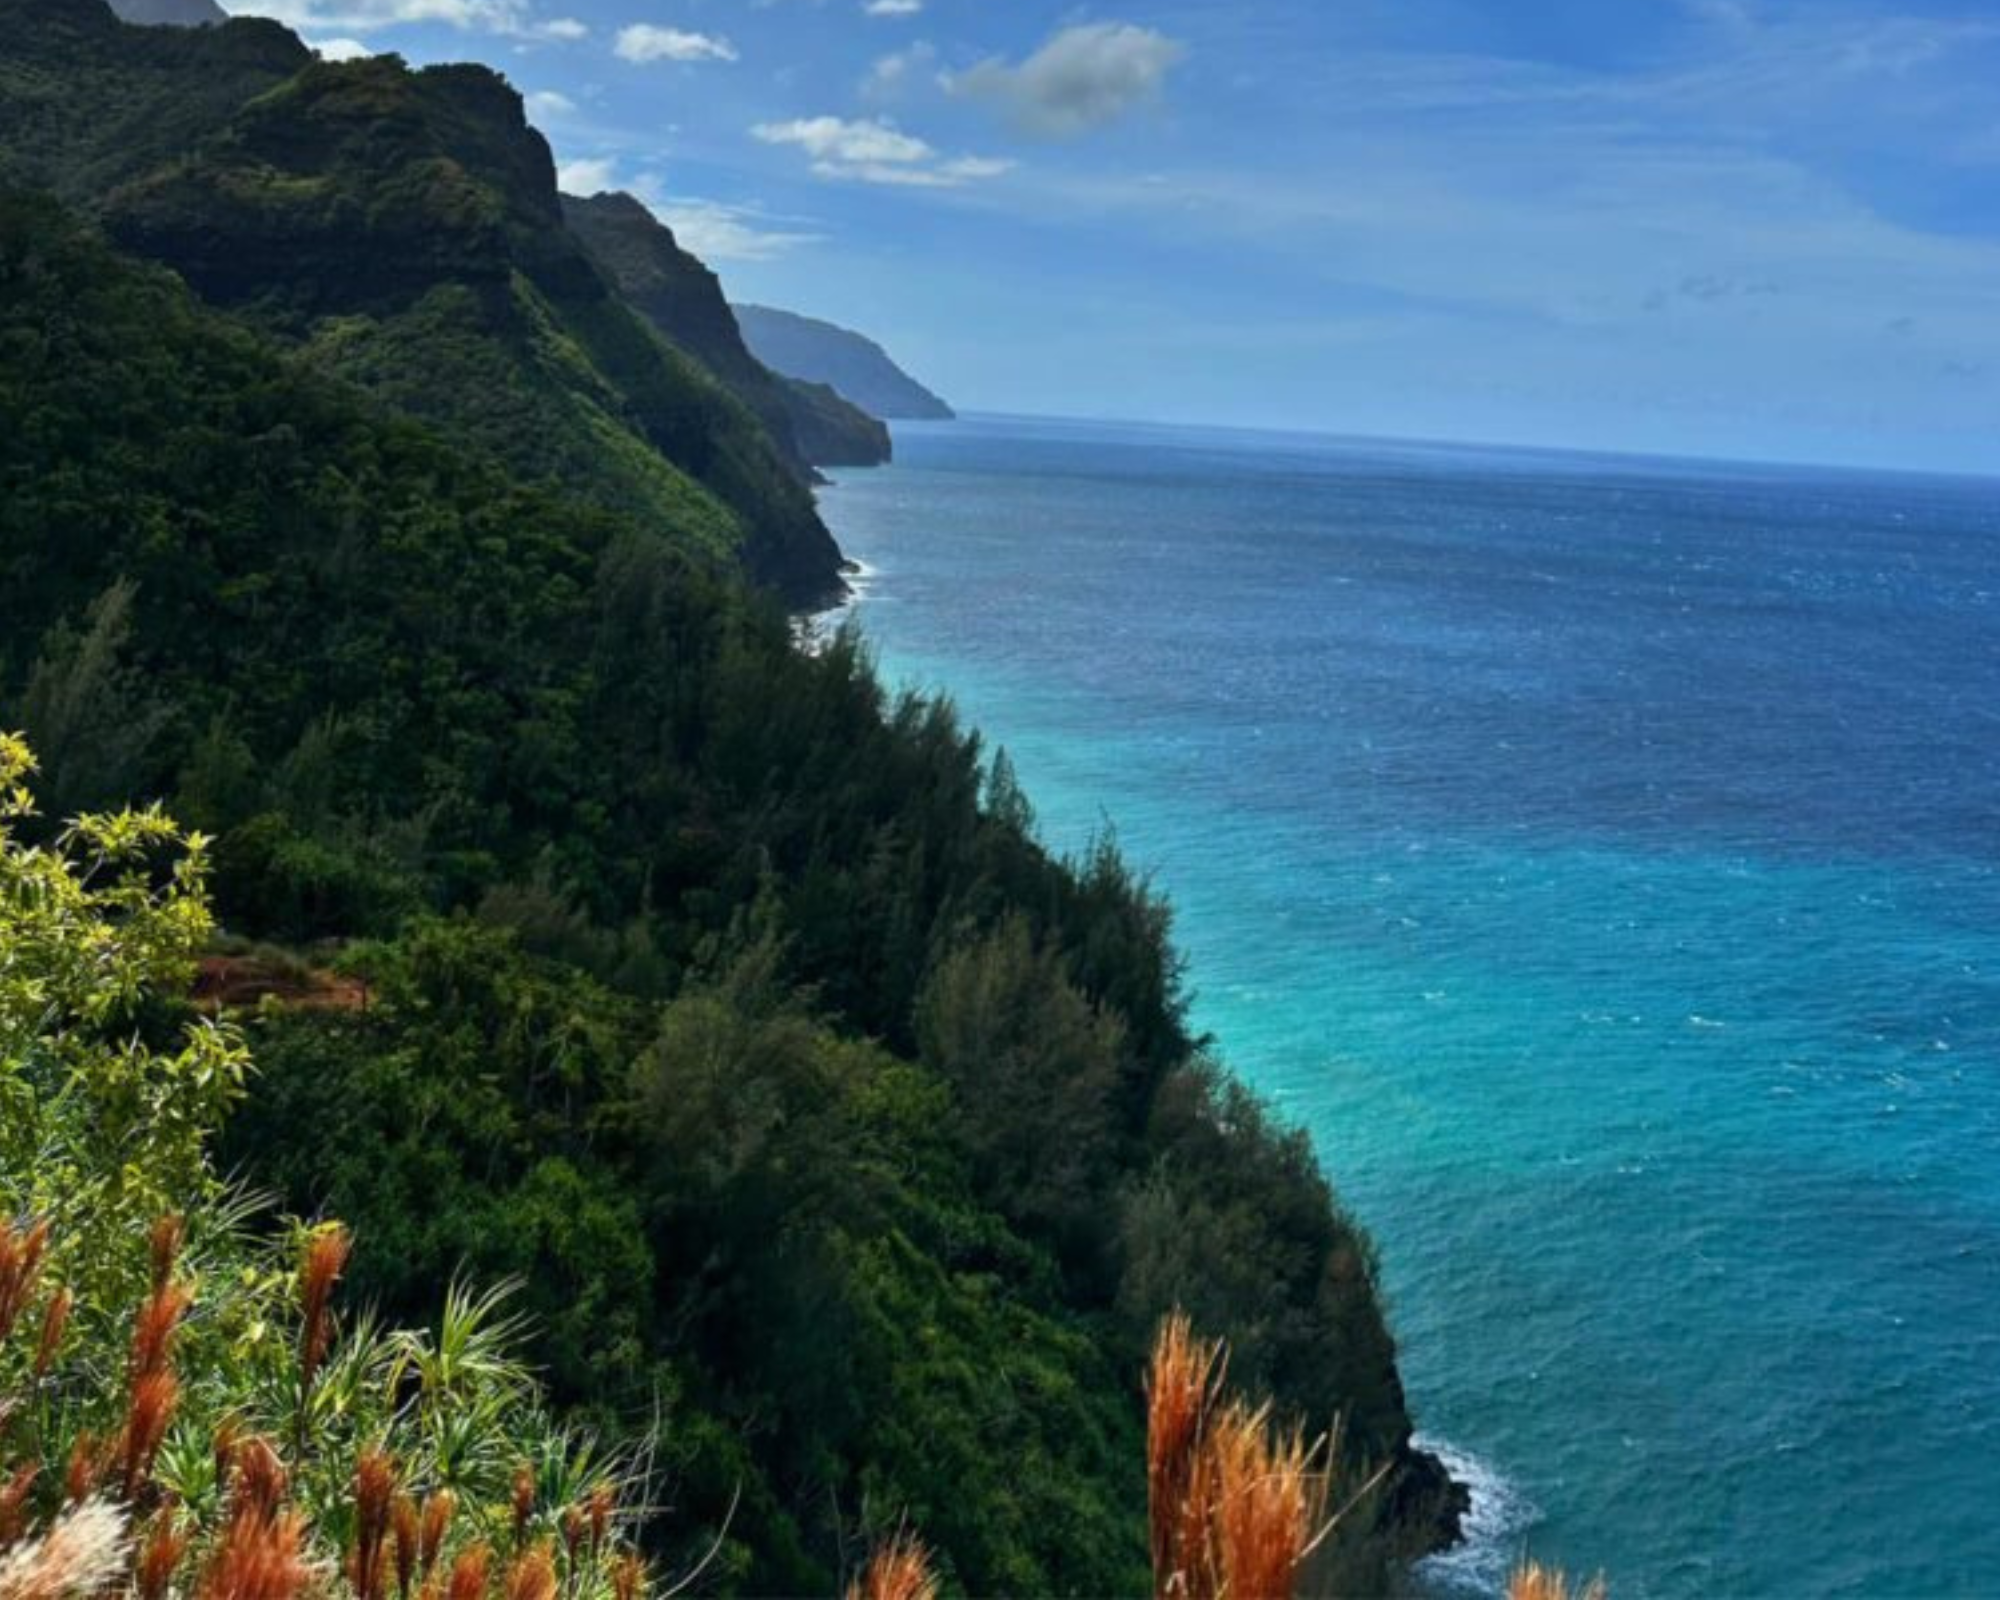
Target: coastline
<point>1448,1514</point>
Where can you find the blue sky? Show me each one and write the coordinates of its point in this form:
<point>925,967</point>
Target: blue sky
<point>1752,228</point>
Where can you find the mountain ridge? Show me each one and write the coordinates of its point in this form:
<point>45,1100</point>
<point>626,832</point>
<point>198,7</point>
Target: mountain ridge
<point>683,300</point>
<point>852,364</point>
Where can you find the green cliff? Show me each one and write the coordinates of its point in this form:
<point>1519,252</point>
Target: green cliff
<point>401,229</point>
<point>684,302</point>
<point>846,1144</point>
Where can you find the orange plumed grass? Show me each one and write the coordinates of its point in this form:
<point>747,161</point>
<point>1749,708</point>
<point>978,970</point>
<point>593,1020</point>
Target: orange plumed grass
<point>1270,1508</point>
<point>81,1476</point>
<point>899,1570</point>
<point>82,1554</point>
<point>260,1556</point>
<point>469,1574</point>
<point>1181,1391</point>
<point>325,1260</point>
<point>154,1328</point>
<point>532,1576</point>
<point>160,1554</point>
<point>628,1578</point>
<point>13,1502</point>
<point>55,1323</point>
<point>374,1497</point>
<point>163,1247</point>
<point>258,1480</point>
<point>1534,1581</point>
<point>222,1447</point>
<point>407,1525</point>
<point>155,1397</point>
<point>438,1511</point>
<point>21,1249</point>
<point>575,1524</point>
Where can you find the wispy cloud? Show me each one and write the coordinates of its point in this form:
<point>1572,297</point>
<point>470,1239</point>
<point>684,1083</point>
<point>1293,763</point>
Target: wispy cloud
<point>875,150</point>
<point>643,42</point>
<point>714,230</point>
<point>1082,78</point>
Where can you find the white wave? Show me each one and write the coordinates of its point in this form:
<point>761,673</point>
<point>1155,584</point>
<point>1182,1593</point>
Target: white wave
<point>1495,1528</point>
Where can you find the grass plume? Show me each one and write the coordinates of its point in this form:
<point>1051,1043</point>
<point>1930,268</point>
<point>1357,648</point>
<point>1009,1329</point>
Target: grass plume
<point>325,1260</point>
<point>1237,1504</point>
<point>1533,1581</point>
<point>899,1570</point>
<point>84,1552</point>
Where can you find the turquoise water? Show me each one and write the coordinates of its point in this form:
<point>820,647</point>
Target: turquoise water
<point>1601,858</point>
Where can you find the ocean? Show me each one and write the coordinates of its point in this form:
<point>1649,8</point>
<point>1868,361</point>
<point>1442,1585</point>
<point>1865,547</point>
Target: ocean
<point>1601,858</point>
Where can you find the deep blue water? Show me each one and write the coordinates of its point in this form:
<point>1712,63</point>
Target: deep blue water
<point>1602,859</point>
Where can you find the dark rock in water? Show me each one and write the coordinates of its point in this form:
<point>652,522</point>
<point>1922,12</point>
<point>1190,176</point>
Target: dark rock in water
<point>855,366</point>
<point>683,299</point>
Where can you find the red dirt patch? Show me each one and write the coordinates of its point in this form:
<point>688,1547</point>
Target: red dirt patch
<point>235,983</point>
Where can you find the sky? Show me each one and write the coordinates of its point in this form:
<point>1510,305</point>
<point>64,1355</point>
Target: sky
<point>1756,229</point>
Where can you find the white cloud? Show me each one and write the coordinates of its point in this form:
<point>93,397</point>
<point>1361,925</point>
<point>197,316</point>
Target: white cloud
<point>644,42</point>
<point>715,230</point>
<point>718,231</point>
<point>888,76</point>
<point>339,49</point>
<point>874,150</point>
<point>587,177</point>
<point>548,103</point>
<point>1082,78</point>
<point>562,28</point>
<point>893,8</point>
<point>365,16</point>
<point>839,139</point>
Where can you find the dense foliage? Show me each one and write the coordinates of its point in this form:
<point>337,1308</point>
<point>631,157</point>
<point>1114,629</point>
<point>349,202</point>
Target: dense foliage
<point>183,1409</point>
<point>404,227</point>
<point>683,300</point>
<point>846,1145</point>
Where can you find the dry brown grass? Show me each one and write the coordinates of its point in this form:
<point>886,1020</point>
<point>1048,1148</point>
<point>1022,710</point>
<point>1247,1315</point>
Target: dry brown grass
<point>160,1554</point>
<point>1237,1504</point>
<point>468,1573</point>
<point>259,1557</point>
<point>532,1576</point>
<point>325,1260</point>
<point>163,1248</point>
<point>82,1553</point>
<point>374,1503</point>
<point>899,1570</point>
<point>14,1494</point>
<point>55,1323</point>
<point>22,1246</point>
<point>438,1511</point>
<point>1533,1581</point>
